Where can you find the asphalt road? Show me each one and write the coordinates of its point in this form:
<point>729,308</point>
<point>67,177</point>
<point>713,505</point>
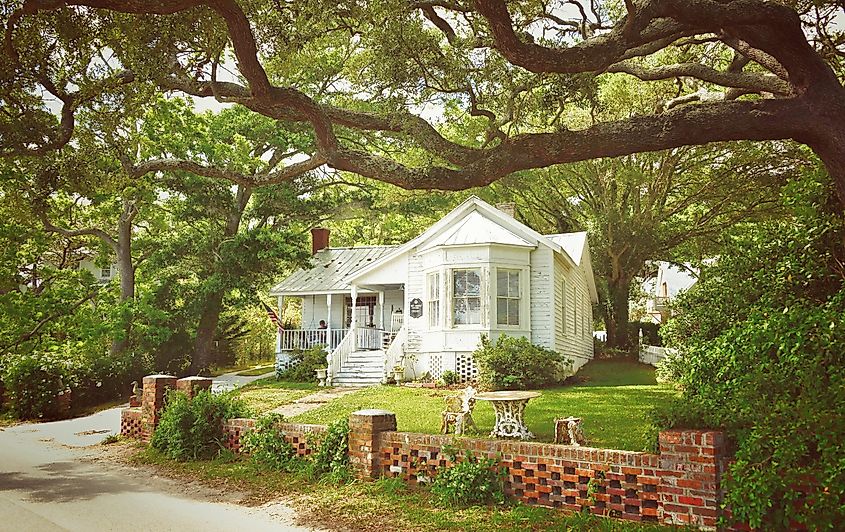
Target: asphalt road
<point>51,479</point>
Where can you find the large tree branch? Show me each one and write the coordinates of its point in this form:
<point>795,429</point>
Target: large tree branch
<point>88,231</point>
<point>278,175</point>
<point>741,80</point>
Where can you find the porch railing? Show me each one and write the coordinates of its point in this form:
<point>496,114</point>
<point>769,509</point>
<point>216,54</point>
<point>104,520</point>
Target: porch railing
<point>395,352</point>
<point>396,321</point>
<point>338,356</point>
<point>368,338</point>
<point>290,339</point>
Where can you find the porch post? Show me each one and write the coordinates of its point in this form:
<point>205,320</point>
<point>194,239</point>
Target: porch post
<point>381,310</point>
<point>281,303</point>
<point>354,322</point>
<point>329,346</point>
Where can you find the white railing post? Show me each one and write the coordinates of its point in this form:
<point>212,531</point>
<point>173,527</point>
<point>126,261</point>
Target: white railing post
<point>354,321</point>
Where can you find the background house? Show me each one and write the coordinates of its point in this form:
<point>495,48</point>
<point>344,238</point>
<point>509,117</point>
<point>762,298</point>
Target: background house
<point>425,304</point>
<point>668,281</point>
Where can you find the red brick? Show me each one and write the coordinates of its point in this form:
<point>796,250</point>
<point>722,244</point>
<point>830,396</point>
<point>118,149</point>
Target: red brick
<point>692,501</point>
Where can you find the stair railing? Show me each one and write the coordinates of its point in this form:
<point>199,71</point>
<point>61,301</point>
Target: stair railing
<point>395,352</point>
<point>337,358</point>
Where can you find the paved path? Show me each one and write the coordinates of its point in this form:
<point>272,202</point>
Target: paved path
<point>230,381</point>
<point>315,400</point>
<point>49,483</point>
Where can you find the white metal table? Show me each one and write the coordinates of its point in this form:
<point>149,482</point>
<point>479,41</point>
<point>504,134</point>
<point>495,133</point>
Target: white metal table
<point>510,408</point>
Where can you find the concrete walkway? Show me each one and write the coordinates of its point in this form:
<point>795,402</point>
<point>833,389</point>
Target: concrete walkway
<point>48,482</point>
<point>230,381</point>
<point>315,400</point>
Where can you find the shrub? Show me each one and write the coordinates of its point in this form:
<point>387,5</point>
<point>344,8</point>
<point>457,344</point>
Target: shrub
<point>449,377</point>
<point>760,355</point>
<point>33,382</point>
<point>469,481</point>
<point>331,459</point>
<point>515,363</point>
<point>193,428</point>
<point>267,446</point>
<point>306,361</point>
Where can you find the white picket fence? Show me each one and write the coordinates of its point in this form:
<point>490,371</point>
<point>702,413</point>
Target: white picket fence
<point>650,354</point>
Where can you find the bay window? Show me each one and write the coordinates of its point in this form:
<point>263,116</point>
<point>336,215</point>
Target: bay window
<point>466,296</point>
<point>507,297</point>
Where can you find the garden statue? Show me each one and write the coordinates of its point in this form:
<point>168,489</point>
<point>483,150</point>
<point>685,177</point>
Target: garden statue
<point>568,431</point>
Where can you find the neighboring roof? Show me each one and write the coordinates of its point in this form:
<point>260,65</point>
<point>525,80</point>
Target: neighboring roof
<point>572,243</point>
<point>476,229</point>
<point>330,268</point>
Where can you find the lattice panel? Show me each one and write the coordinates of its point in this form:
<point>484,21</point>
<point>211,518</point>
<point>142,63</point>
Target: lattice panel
<point>435,365</point>
<point>466,368</point>
<point>284,362</point>
<point>130,423</point>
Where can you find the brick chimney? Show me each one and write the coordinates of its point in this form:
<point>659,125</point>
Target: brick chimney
<point>319,239</point>
<point>507,208</point>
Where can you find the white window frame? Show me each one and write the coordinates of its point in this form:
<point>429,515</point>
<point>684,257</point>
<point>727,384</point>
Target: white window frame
<point>105,273</point>
<point>454,297</point>
<point>574,310</point>
<point>433,293</point>
<point>509,297</point>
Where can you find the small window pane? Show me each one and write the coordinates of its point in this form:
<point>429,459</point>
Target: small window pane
<point>513,284</point>
<point>513,312</point>
<point>502,311</point>
<point>501,283</point>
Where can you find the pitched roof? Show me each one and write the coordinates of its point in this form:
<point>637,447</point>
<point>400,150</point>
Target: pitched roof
<point>329,269</point>
<point>572,243</point>
<point>476,229</point>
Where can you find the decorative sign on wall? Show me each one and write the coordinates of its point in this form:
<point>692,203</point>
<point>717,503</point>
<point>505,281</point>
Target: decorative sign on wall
<point>416,307</point>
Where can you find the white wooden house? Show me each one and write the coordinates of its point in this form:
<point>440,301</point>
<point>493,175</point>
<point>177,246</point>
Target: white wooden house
<point>424,305</point>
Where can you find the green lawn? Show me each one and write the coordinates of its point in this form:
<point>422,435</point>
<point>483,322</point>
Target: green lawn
<point>612,398</point>
<point>267,394</point>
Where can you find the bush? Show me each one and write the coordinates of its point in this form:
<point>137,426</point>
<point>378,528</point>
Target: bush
<point>449,377</point>
<point>190,429</point>
<point>331,459</point>
<point>267,446</point>
<point>471,480</point>
<point>760,354</point>
<point>34,381</point>
<point>306,361</point>
<point>515,364</point>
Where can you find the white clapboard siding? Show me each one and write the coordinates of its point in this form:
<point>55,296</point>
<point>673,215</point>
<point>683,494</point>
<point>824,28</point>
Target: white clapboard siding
<point>572,339</point>
<point>415,287</point>
<point>542,310</point>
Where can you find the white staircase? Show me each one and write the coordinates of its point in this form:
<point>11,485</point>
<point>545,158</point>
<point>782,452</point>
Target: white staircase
<point>361,368</point>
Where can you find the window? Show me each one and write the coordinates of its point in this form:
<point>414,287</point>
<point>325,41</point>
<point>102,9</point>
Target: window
<point>364,309</point>
<point>588,316</point>
<point>466,297</point>
<point>507,297</point>
<point>563,306</point>
<point>433,281</point>
<point>105,272</point>
<point>574,310</point>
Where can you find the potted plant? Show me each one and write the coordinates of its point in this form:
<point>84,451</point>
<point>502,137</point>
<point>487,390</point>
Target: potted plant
<point>321,375</point>
<point>398,373</point>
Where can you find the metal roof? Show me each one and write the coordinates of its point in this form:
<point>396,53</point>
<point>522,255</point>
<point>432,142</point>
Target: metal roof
<point>330,267</point>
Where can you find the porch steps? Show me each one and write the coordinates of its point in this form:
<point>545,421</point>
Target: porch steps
<point>362,368</point>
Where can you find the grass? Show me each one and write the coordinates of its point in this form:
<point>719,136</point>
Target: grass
<point>386,504</point>
<point>613,398</point>
<point>256,371</point>
<point>265,395</point>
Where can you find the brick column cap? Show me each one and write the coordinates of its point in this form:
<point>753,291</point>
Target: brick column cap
<point>191,378</point>
<point>372,412</point>
<point>159,376</point>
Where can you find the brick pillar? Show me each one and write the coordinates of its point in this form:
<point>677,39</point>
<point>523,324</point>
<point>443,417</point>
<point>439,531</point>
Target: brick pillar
<point>690,476</point>
<point>365,428</point>
<point>191,386</point>
<point>152,401</point>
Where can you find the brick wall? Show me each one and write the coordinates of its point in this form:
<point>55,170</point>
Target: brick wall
<point>130,423</point>
<point>680,485</point>
<point>300,435</point>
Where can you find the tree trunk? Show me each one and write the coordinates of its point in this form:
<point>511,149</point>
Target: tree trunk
<point>204,349</point>
<point>616,316</point>
<point>126,268</point>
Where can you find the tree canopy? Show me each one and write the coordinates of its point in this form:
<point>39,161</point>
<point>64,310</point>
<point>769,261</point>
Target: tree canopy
<point>372,83</point>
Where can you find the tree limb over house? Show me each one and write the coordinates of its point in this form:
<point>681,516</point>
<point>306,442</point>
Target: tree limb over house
<point>792,91</point>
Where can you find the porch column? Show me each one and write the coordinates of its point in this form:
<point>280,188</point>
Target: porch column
<point>354,322</point>
<point>381,310</point>
<point>329,346</point>
<point>281,303</point>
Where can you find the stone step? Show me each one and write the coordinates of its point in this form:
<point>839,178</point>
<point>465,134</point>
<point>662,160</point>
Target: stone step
<point>355,383</point>
<point>375,374</point>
